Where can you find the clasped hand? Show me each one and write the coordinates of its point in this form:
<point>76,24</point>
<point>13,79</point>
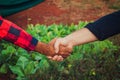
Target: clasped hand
<point>57,49</point>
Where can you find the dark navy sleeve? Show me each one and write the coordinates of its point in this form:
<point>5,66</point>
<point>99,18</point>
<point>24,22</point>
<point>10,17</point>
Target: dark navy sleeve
<point>106,26</point>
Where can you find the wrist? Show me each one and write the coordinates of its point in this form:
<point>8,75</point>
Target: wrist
<point>39,47</point>
<point>68,41</point>
<point>45,49</point>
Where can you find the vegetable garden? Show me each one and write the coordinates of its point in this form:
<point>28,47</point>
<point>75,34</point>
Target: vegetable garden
<point>93,61</point>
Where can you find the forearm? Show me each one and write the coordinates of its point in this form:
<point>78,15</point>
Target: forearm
<point>12,33</point>
<point>81,36</point>
<point>46,49</point>
<point>41,48</point>
<point>106,26</point>
<point>101,29</point>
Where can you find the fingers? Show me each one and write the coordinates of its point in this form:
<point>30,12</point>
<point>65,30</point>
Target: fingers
<point>51,47</point>
<point>62,49</point>
<point>65,49</point>
<point>56,58</point>
<point>64,54</point>
<point>61,42</point>
<point>49,57</point>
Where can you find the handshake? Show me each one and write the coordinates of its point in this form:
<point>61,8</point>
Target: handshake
<point>57,49</point>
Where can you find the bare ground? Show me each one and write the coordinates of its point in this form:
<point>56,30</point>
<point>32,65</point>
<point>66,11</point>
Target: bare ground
<point>61,11</point>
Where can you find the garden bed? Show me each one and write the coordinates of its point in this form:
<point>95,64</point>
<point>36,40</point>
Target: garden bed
<point>91,61</point>
<point>89,64</point>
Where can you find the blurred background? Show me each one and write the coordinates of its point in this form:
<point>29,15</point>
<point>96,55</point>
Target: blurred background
<point>58,18</point>
<point>65,11</point>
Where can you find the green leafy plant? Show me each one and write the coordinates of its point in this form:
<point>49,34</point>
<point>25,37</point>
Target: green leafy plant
<point>93,61</point>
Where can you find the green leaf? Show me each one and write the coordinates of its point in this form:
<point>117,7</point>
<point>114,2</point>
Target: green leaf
<point>3,69</point>
<point>4,52</point>
<point>36,56</point>
<point>22,52</point>
<point>17,70</point>
<point>11,49</point>
<point>29,69</point>
<point>22,62</point>
<point>44,64</point>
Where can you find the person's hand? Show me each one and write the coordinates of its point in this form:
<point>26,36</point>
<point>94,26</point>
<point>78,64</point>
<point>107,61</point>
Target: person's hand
<point>56,58</point>
<point>46,49</point>
<point>62,49</point>
<point>62,42</point>
<point>49,50</point>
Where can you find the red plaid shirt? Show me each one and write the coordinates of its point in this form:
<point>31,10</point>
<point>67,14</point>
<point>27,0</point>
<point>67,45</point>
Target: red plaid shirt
<point>12,33</point>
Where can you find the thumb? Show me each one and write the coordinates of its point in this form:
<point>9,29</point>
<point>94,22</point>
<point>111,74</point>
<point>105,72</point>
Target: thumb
<point>52,41</point>
<point>57,45</point>
<point>49,57</point>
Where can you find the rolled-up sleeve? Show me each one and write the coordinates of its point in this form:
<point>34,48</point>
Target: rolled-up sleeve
<point>106,26</point>
<point>13,33</point>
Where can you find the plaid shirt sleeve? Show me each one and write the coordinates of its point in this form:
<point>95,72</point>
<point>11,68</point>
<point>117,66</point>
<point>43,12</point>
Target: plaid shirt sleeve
<point>12,33</point>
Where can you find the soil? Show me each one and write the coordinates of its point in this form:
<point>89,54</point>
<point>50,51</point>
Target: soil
<point>61,11</point>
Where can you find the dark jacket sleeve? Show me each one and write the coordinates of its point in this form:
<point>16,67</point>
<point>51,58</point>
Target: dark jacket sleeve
<point>106,26</point>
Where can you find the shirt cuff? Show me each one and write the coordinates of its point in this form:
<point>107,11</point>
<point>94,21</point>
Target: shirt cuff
<point>95,31</point>
<point>13,33</point>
